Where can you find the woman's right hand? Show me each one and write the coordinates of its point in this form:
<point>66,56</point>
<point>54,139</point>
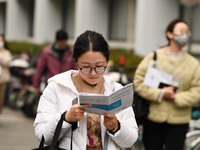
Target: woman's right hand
<point>76,113</point>
<point>169,92</point>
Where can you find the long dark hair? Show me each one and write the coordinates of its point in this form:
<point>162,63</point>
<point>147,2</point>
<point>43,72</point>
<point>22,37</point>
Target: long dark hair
<point>171,25</point>
<point>90,41</point>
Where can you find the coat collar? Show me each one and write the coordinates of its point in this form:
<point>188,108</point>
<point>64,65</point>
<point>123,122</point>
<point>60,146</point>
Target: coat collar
<point>55,54</point>
<point>64,79</point>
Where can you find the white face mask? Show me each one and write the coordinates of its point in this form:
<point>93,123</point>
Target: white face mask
<point>182,39</point>
<point>1,44</point>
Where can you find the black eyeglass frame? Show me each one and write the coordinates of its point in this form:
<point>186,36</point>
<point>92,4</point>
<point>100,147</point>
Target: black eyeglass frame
<point>92,68</point>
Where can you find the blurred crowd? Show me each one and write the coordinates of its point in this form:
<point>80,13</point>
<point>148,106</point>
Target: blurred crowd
<point>170,103</point>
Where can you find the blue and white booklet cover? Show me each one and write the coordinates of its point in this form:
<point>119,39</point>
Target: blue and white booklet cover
<point>111,104</point>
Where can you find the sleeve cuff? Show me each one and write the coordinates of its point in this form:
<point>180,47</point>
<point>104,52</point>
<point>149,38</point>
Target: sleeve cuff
<point>113,132</point>
<point>175,101</point>
<point>160,97</point>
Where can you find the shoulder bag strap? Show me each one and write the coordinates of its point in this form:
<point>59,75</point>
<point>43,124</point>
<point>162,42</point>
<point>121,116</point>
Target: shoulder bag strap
<point>41,143</point>
<point>58,129</point>
<point>56,134</point>
<point>106,141</point>
<point>154,58</point>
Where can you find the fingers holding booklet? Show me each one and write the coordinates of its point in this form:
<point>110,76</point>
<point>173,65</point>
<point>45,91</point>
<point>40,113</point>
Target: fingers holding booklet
<point>111,104</point>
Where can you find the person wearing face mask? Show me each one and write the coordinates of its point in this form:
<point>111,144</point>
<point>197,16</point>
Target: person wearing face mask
<point>170,105</point>
<point>5,57</point>
<point>55,58</point>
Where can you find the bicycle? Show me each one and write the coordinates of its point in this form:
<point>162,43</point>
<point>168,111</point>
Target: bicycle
<point>192,141</point>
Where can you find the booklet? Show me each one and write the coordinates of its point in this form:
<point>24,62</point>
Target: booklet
<point>158,79</point>
<point>111,104</point>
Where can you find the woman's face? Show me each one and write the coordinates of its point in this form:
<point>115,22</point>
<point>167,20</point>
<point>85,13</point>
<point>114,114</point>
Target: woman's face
<point>180,34</point>
<point>1,42</point>
<point>91,59</point>
<point>181,28</point>
<point>1,38</point>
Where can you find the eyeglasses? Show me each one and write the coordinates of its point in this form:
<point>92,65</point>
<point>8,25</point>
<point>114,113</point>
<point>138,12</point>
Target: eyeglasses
<point>188,33</point>
<point>87,70</point>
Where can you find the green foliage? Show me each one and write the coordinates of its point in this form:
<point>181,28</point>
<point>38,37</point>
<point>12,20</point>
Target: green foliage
<point>17,48</point>
<point>132,60</point>
<point>32,49</point>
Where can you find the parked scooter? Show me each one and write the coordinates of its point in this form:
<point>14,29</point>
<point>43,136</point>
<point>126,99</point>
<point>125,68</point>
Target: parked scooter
<point>18,65</point>
<point>119,73</point>
<point>31,103</point>
<point>19,88</point>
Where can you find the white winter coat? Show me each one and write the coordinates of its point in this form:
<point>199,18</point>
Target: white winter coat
<point>57,98</point>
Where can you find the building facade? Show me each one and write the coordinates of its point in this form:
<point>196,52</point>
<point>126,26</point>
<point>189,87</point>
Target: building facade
<point>137,25</point>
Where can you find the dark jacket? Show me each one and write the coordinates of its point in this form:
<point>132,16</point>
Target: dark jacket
<point>50,63</point>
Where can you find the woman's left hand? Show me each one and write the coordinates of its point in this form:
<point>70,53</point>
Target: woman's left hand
<point>110,121</point>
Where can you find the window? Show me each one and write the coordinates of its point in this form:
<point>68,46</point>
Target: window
<point>31,6</point>
<point>2,17</point>
<point>68,16</point>
<point>191,15</point>
<point>118,19</point>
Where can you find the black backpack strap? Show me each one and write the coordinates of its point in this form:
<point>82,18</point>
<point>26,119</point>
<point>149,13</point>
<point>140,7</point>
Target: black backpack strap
<point>58,129</point>
<point>154,59</point>
<point>155,56</point>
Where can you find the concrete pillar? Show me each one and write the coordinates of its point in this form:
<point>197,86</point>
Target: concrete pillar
<point>47,20</point>
<point>91,15</point>
<point>152,18</point>
<point>17,24</point>
<point>130,23</point>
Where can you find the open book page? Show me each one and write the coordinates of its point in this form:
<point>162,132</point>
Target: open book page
<point>112,104</point>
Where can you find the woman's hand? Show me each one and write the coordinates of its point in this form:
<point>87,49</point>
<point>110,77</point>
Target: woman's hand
<point>110,122</point>
<point>76,113</point>
<point>169,92</point>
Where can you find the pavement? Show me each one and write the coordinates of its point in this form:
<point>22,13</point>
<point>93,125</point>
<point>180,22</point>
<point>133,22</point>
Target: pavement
<point>16,131</point>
